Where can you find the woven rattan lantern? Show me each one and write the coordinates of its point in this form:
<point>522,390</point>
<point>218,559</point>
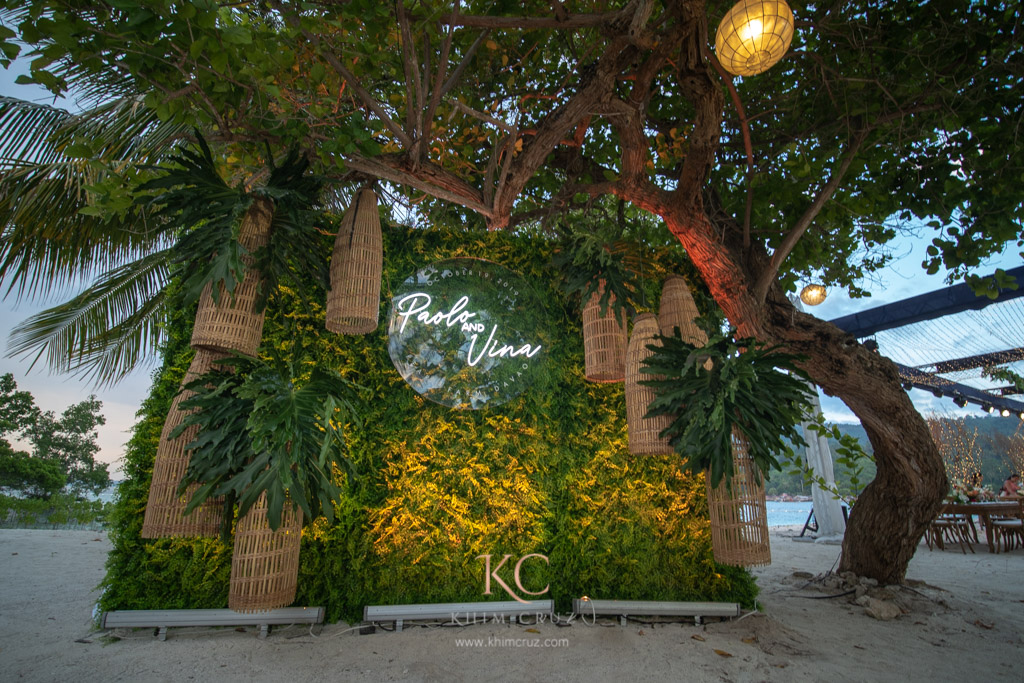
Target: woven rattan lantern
<point>604,340</point>
<point>677,309</point>
<point>739,513</point>
<point>753,36</point>
<point>643,431</point>
<point>234,323</point>
<point>353,303</point>
<point>265,563</point>
<point>165,509</point>
<point>812,295</point>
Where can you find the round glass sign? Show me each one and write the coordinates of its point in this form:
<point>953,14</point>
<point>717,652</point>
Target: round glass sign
<point>467,333</point>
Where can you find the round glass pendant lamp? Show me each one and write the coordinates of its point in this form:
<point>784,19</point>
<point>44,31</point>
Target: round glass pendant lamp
<point>812,295</point>
<point>753,36</point>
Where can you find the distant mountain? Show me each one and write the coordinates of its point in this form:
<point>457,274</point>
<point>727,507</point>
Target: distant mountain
<point>994,467</point>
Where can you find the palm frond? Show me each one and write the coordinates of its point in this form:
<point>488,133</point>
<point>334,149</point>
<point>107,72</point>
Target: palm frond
<point>97,83</point>
<point>50,161</point>
<point>125,345</point>
<point>123,131</point>
<point>45,239</point>
<point>105,330</point>
<point>26,129</point>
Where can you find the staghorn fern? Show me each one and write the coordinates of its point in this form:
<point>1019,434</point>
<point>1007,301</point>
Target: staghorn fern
<point>744,388</point>
<point>586,260</point>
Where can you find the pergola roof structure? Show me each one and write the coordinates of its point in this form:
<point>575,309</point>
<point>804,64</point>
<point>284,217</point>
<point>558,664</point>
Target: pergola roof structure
<point>943,341</point>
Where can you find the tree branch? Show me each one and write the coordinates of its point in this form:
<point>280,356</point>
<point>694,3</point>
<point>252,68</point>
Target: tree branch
<point>428,178</point>
<point>368,101</point>
<point>595,86</point>
<point>509,145</point>
<point>461,68</point>
<point>435,95</point>
<point>486,118</point>
<point>747,146</point>
<point>628,122</point>
<point>697,85</point>
<point>766,277</point>
<point>571,21</point>
<point>413,86</point>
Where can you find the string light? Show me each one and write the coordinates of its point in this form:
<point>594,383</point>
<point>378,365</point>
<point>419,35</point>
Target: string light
<point>959,353</point>
<point>958,445</point>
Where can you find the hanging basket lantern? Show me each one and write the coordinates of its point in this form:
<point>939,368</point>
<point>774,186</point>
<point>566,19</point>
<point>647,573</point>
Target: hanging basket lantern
<point>643,431</point>
<point>739,512</point>
<point>604,340</point>
<point>753,36</point>
<point>265,563</point>
<point>165,509</point>
<point>677,310</point>
<point>234,323</point>
<point>812,295</point>
<point>353,302</point>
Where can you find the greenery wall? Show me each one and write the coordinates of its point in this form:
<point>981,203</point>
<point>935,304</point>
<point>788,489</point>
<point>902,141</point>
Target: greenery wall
<point>546,473</point>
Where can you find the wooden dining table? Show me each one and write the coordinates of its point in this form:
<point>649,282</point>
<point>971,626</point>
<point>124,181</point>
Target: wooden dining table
<point>985,511</point>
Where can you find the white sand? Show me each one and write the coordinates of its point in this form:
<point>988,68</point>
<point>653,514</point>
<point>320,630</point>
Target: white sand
<point>968,624</point>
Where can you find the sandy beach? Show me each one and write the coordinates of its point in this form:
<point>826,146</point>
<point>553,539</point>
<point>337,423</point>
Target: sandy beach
<point>961,617</point>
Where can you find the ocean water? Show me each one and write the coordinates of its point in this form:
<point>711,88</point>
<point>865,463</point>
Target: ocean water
<point>788,514</point>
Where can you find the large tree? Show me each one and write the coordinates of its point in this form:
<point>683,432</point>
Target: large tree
<point>882,114</point>
<point>70,442</point>
<point>63,448</point>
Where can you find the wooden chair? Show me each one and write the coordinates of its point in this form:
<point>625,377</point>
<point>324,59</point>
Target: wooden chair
<point>1008,531</point>
<point>948,527</point>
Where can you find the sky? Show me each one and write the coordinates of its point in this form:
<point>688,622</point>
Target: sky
<point>57,393</point>
<point>903,278</point>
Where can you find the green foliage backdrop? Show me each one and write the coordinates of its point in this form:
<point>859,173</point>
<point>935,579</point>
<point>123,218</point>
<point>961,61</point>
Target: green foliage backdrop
<point>548,473</point>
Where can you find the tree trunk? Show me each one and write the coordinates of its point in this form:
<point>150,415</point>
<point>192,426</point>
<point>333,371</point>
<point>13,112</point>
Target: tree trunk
<point>893,512</point>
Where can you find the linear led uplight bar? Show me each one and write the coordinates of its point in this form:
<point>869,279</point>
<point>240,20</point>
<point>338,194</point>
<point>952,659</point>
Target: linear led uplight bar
<point>633,608</point>
<point>458,612</point>
<point>162,619</point>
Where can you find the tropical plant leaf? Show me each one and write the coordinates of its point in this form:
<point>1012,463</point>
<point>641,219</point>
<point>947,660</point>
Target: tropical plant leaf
<point>206,213</point>
<point>587,260</point>
<point>724,385</point>
<point>269,426</point>
<point>293,253</point>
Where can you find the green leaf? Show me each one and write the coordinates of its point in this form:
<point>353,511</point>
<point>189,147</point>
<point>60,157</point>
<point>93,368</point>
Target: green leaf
<point>749,390</point>
<point>261,429</point>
